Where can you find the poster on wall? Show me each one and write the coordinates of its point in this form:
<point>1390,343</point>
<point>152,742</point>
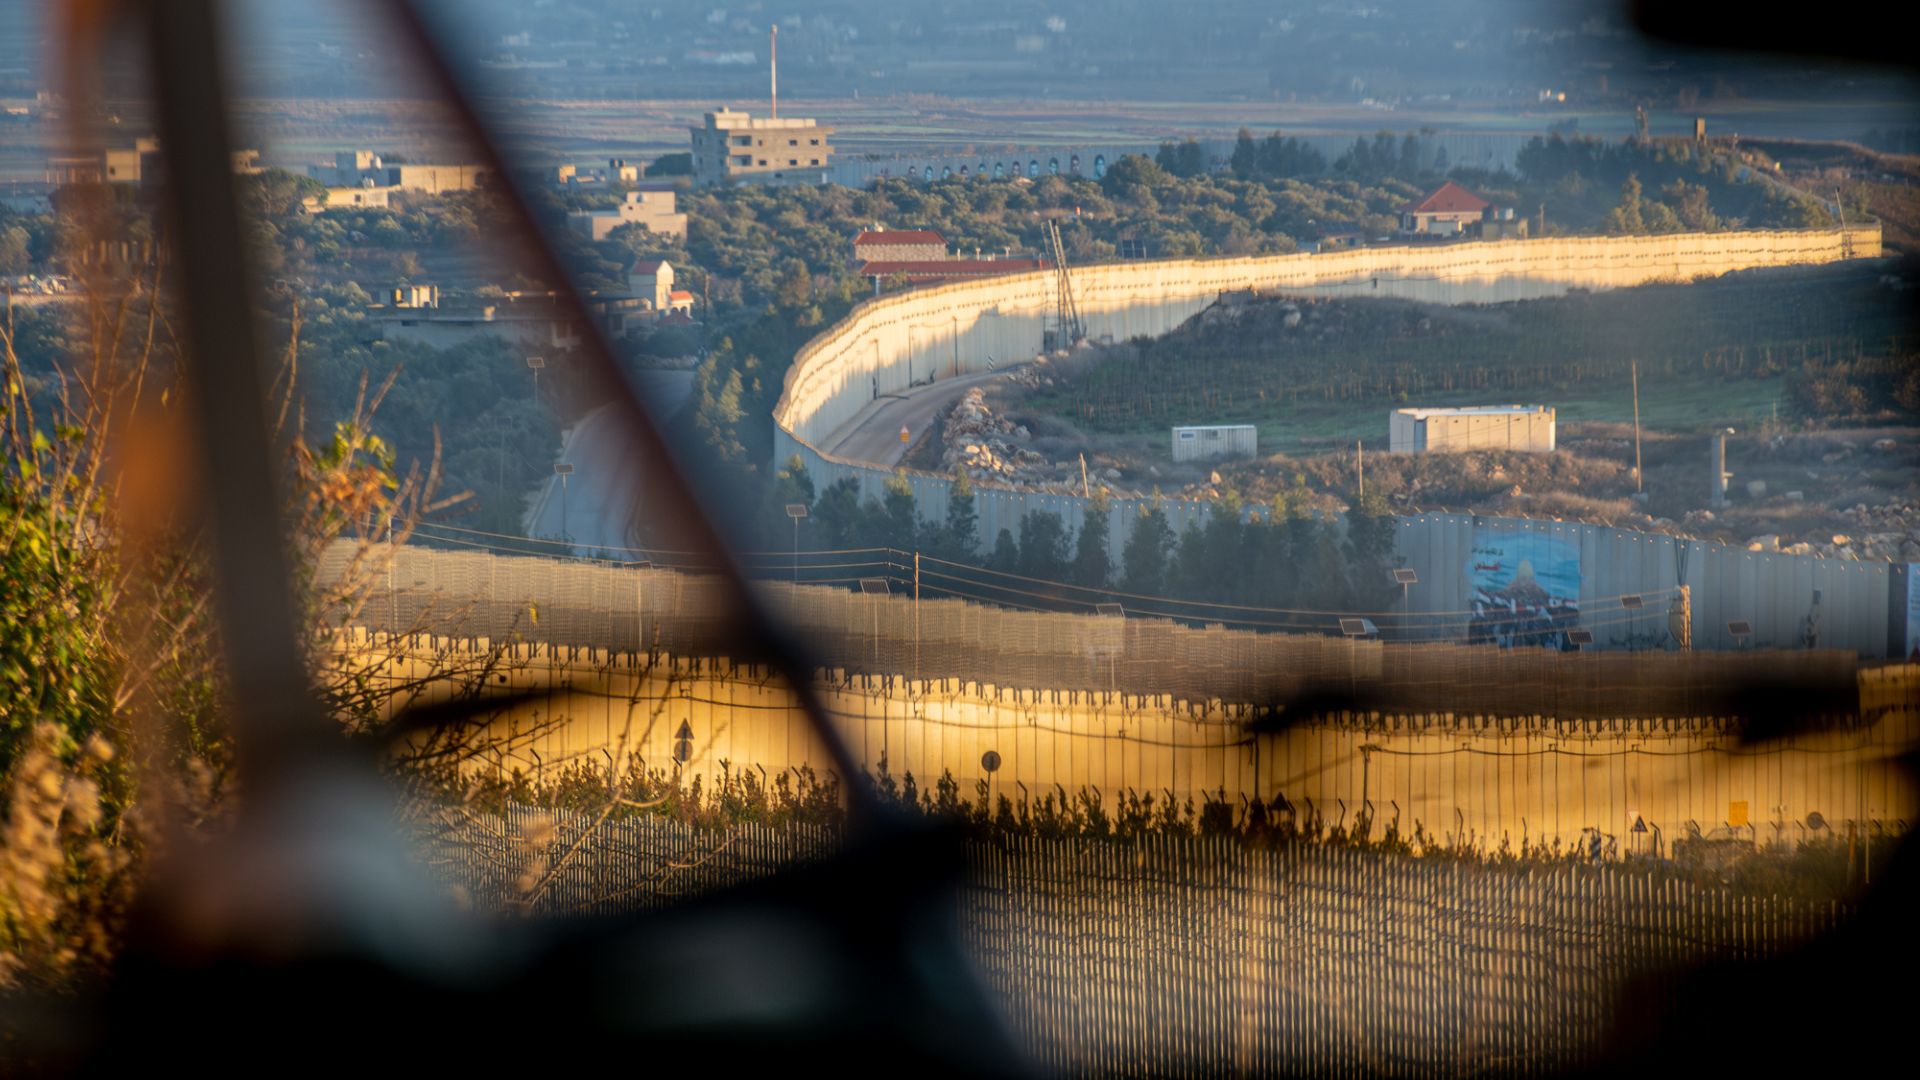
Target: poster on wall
<point>1523,587</point>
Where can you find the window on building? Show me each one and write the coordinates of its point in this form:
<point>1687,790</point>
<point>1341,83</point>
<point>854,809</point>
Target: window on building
<point>815,161</point>
<point>793,161</point>
<point>813,142</point>
<point>763,161</point>
<point>793,142</point>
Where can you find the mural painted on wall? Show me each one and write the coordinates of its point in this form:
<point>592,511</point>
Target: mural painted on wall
<point>1524,588</point>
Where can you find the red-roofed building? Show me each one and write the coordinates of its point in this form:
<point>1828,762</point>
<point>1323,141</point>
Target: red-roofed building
<point>926,271</point>
<point>899,245</point>
<point>1449,211</point>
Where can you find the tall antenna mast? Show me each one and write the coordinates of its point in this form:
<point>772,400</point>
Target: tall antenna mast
<point>773,67</point>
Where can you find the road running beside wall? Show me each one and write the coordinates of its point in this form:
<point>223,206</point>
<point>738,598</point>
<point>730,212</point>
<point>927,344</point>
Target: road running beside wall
<point>602,496</point>
<point>873,435</point>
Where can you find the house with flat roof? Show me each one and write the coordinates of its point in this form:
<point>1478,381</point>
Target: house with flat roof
<point>732,147</point>
<point>650,206</point>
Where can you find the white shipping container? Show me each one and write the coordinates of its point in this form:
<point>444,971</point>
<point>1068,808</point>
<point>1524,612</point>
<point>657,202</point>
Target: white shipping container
<point>1216,441</point>
<point>1528,428</point>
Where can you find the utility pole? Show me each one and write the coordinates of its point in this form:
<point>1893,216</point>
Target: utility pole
<point>796,511</point>
<point>1085,491</point>
<point>1359,468</point>
<point>1636,425</point>
<point>563,470</point>
<point>1717,461</point>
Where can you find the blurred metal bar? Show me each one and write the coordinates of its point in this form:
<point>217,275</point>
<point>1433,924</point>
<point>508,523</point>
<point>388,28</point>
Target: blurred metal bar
<point>271,702</point>
<point>762,637</point>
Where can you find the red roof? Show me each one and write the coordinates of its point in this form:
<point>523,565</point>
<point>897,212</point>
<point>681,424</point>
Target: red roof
<point>680,294</point>
<point>901,237</point>
<point>1450,198</point>
<point>646,266</point>
<point>949,267</point>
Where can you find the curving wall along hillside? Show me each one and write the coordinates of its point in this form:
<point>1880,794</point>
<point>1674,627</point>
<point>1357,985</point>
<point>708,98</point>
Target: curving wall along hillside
<point>836,373</point>
<point>941,332</point>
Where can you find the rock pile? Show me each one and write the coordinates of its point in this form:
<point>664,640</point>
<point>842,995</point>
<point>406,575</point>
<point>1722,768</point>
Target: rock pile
<point>1888,533</point>
<point>988,446</point>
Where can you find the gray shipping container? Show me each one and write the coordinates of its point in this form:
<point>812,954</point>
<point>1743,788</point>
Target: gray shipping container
<point>1479,427</point>
<point>1216,441</point>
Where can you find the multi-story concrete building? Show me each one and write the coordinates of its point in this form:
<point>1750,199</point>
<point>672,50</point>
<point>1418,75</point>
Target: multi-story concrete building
<point>530,320</point>
<point>365,168</point>
<point>651,206</point>
<point>348,198</point>
<point>136,164</point>
<point>733,147</point>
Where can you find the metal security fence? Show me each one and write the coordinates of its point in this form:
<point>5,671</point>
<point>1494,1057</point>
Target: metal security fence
<point>593,611</point>
<point>565,864</point>
<point>1202,955</point>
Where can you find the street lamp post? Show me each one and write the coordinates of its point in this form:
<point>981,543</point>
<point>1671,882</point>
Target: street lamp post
<point>796,511</point>
<point>1407,579</point>
<point>563,469</point>
<point>534,364</point>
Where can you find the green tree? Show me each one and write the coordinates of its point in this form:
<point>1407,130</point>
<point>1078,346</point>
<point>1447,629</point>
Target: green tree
<point>1690,205</point>
<point>1144,561</point>
<point>1006,553</point>
<point>1189,574</point>
<point>1245,162</point>
<point>1370,539</point>
<point>718,412</point>
<point>1043,546</point>
<point>899,522</point>
<point>963,519</point>
<point>837,515</point>
<point>1092,564</point>
<point>16,254</point>
<point>1626,217</point>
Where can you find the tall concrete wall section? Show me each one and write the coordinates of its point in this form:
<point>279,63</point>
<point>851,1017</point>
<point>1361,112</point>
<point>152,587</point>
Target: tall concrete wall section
<point>886,338</point>
<point>890,341</point>
<point>1773,593</point>
<point>1485,781</point>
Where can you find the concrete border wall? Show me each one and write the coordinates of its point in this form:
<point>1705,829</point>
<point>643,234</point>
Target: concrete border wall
<point>954,329</point>
<point>1484,780</point>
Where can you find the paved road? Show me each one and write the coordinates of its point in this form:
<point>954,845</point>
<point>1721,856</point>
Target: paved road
<point>874,434</point>
<point>601,497</point>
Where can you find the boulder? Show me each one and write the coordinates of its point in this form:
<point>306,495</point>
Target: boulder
<point>1841,539</point>
<point>1769,542</point>
<point>1757,489</point>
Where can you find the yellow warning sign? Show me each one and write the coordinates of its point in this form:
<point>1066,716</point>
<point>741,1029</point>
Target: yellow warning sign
<point>1737,814</point>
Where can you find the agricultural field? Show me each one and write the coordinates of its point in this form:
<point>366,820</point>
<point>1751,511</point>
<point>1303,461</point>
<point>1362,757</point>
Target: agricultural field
<point>1816,370</point>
